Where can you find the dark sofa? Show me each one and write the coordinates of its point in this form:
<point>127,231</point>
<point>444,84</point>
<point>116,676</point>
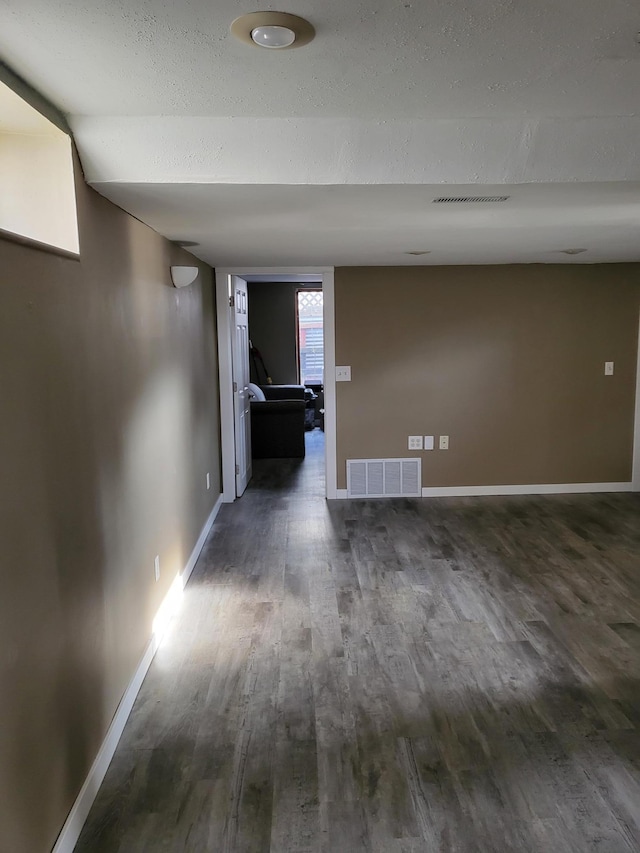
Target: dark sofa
<point>277,423</point>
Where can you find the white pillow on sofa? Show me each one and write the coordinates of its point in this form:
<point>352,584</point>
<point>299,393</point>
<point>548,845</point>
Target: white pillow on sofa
<point>256,393</point>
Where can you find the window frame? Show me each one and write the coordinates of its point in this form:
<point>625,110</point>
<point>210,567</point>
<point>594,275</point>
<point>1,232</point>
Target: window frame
<point>316,386</point>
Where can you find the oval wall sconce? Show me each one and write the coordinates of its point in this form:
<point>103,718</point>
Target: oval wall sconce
<point>183,276</point>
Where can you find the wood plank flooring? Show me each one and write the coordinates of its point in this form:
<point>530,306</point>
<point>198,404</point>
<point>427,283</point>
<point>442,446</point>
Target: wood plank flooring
<point>394,676</point>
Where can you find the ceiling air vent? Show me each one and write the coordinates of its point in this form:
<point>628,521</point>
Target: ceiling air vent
<point>469,199</point>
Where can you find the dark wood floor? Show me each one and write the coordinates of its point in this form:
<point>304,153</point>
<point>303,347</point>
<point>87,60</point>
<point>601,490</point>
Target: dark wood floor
<point>392,676</point>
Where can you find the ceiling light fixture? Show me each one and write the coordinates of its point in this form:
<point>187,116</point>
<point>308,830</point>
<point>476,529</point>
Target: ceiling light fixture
<point>419,252</point>
<point>274,30</point>
<point>273,37</point>
<point>572,251</point>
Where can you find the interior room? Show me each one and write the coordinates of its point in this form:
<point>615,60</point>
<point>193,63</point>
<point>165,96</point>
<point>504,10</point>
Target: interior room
<point>287,350</point>
<point>411,622</point>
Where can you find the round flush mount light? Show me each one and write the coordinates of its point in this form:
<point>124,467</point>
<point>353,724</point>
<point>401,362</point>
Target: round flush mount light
<point>572,251</point>
<point>273,37</point>
<point>274,30</point>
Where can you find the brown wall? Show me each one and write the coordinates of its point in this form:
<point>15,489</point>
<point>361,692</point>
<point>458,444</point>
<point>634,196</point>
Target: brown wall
<point>109,425</point>
<point>507,360</point>
<point>272,328</point>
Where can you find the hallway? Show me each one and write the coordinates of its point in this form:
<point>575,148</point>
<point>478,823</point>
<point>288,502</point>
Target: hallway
<point>392,676</point>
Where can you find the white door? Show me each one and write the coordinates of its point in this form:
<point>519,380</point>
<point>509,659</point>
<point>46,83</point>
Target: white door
<point>241,408</point>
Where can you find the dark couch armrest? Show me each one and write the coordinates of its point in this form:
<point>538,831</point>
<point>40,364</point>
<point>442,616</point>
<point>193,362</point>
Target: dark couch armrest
<point>268,408</point>
<point>283,392</point>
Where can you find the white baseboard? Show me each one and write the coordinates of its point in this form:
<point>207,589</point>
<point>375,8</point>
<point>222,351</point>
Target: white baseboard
<point>79,811</point>
<point>532,489</point>
<point>636,427</point>
<point>77,816</point>
<point>193,559</point>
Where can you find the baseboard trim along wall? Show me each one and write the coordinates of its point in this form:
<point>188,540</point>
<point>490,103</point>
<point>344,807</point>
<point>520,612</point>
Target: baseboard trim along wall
<point>636,426</point>
<point>534,489</point>
<point>77,816</point>
<point>193,559</point>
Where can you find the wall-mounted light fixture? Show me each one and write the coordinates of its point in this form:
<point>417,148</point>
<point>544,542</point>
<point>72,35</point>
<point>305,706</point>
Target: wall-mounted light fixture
<point>275,30</point>
<point>183,276</point>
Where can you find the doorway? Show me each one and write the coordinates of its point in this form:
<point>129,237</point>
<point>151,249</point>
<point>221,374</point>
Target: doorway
<point>225,281</point>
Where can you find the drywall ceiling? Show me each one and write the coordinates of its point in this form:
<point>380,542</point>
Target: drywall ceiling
<point>379,225</point>
<point>370,58</point>
<point>390,92</point>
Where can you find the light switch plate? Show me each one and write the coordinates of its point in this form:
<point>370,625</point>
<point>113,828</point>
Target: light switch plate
<point>608,368</point>
<point>428,442</point>
<point>343,374</point>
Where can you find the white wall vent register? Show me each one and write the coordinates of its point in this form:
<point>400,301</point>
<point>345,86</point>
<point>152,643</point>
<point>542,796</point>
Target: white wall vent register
<point>384,478</point>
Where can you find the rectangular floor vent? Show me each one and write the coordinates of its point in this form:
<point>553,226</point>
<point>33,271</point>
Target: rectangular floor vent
<point>384,478</point>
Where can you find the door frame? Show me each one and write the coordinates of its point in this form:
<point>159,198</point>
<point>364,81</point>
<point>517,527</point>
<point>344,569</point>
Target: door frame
<point>241,377</point>
<point>225,371</point>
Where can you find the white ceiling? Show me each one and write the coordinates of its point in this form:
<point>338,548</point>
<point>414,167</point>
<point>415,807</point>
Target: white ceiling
<point>321,225</point>
<point>330,154</point>
<point>370,58</point>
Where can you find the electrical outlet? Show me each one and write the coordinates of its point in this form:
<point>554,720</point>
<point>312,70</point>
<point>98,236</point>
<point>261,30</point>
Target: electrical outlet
<point>208,481</point>
<point>428,442</point>
<point>156,567</point>
<point>415,442</point>
<point>444,442</point>
<point>608,368</point>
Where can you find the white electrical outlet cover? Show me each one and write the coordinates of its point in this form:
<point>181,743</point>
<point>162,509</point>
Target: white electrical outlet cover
<point>444,442</point>
<point>429,442</point>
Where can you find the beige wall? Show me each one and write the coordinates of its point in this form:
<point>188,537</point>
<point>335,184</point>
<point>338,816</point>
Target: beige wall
<point>37,198</point>
<point>272,328</point>
<point>506,360</point>
<point>109,425</point>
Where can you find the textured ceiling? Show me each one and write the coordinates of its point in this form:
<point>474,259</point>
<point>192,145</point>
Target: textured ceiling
<point>395,58</point>
<point>392,92</point>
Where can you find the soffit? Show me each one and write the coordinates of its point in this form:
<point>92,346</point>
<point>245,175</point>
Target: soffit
<point>258,226</point>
